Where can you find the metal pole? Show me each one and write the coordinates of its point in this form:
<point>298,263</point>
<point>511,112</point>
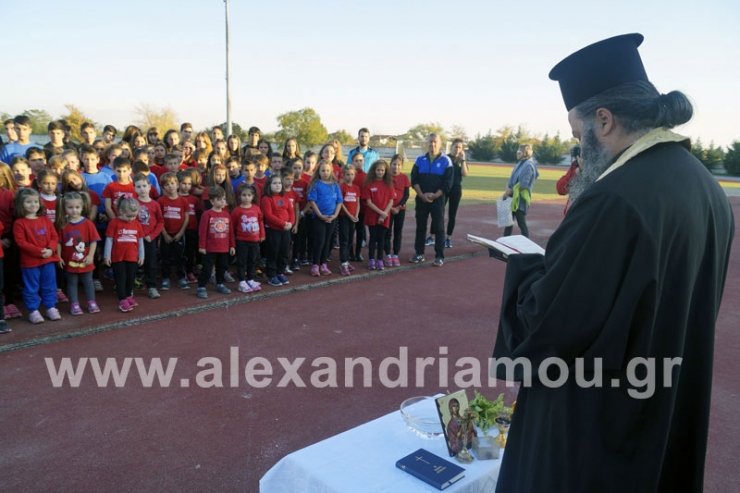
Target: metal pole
<point>228,78</point>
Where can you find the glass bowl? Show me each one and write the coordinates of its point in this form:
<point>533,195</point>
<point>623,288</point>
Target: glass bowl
<point>421,417</point>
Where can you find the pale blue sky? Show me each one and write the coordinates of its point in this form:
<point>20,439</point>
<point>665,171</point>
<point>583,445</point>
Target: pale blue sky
<point>387,65</point>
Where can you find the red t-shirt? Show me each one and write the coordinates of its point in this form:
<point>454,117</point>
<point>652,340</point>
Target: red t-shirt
<point>350,197</point>
<point>277,211</point>
<point>7,210</point>
<point>195,205</point>
<point>337,172</point>
<point>157,170</point>
<point>50,208</point>
<point>94,198</point>
<point>215,233</point>
<point>125,240</point>
<point>150,218</point>
<point>115,190</point>
<point>294,199</point>
<point>400,184</point>
<point>261,181</point>
<point>307,178</point>
<point>76,239</point>
<point>301,188</point>
<point>359,181</point>
<point>32,236</point>
<point>379,193</point>
<point>248,224</point>
<point>174,212</point>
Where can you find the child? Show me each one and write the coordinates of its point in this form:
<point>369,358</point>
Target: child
<point>124,250</point>
<point>175,214</point>
<point>71,159</point>
<point>95,181</point>
<point>46,184</point>
<point>325,199</point>
<point>152,222</point>
<point>72,182</point>
<point>122,187</point>
<point>287,177</point>
<point>113,152</point>
<point>219,175</point>
<point>279,218</point>
<point>195,209</point>
<point>4,327</point>
<point>249,170</point>
<point>56,165</point>
<point>235,172</point>
<point>216,242</point>
<point>378,194</point>
<point>358,161</point>
<point>36,160</point>
<point>309,165</point>
<point>21,172</point>
<point>300,239</point>
<point>200,156</point>
<point>141,167</point>
<point>142,155</point>
<point>250,232</point>
<point>276,164</point>
<point>291,150</point>
<point>348,216</point>
<point>260,176</point>
<point>173,163</point>
<point>79,240</point>
<point>37,242</point>
<point>160,151</point>
<point>11,272</point>
<point>401,184</point>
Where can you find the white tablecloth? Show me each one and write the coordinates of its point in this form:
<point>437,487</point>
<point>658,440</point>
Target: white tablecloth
<point>363,459</point>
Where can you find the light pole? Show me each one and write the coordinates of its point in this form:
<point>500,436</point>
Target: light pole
<point>228,78</point>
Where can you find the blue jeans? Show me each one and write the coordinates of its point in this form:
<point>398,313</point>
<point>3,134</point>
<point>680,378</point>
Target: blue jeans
<point>42,278</point>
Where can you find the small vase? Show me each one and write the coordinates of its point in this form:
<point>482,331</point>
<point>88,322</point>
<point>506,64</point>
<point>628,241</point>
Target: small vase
<point>503,425</point>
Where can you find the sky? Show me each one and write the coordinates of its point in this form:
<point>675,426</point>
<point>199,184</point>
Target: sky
<point>383,64</point>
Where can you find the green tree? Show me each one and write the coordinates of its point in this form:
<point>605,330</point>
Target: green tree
<point>550,150</point>
<point>75,117</point>
<point>697,149</point>
<point>507,148</point>
<point>483,147</point>
<point>732,159</point>
<point>304,125</point>
<point>344,137</point>
<point>713,156</point>
<point>39,121</point>
<point>458,132</point>
<point>422,131</point>
<point>236,129</point>
<point>149,115</point>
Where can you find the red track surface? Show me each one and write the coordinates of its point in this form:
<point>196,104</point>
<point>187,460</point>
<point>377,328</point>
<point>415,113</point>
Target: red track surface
<point>136,438</point>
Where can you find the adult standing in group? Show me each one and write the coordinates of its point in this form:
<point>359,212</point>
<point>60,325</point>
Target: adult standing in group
<point>370,154</point>
<point>519,188</point>
<point>628,291</point>
<point>452,199</point>
<point>431,179</point>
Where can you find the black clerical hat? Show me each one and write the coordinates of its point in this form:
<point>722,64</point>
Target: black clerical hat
<point>598,67</point>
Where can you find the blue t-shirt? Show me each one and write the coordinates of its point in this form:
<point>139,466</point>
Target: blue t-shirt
<point>369,154</point>
<point>15,149</point>
<point>326,196</point>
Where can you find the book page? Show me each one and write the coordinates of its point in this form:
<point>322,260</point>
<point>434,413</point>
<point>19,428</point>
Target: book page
<point>509,245</point>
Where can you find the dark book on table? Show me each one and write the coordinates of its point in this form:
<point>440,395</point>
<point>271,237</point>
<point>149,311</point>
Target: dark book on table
<point>431,468</point>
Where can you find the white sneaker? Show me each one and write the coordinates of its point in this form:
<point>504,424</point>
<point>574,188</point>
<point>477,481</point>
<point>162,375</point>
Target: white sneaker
<point>228,277</point>
<point>244,287</point>
<point>256,286</point>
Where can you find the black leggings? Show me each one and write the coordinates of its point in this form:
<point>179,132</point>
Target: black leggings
<point>452,199</point>
<point>521,220</point>
<point>321,236</point>
<point>124,273</point>
<point>395,232</point>
<point>377,240</point>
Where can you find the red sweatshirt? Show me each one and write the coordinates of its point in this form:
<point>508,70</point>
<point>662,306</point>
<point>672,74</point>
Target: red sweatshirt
<point>277,211</point>
<point>248,224</point>
<point>7,210</point>
<point>215,233</point>
<point>32,236</point>
<point>195,205</point>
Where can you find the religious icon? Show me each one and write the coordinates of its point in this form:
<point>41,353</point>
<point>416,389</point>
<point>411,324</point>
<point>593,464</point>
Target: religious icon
<point>451,410</point>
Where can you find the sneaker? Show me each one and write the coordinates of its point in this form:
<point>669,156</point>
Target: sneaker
<point>305,262</point>
<point>53,314</point>
<point>350,267</point>
<point>438,262</point>
<point>4,327</point>
<point>371,264</point>
<point>165,285</point>
<point>380,265</point>
<point>139,283</point>
<point>244,287</point>
<point>75,309</point>
<point>344,269</point>
<point>448,243</point>
<point>324,270</point>
<point>254,285</point>
<point>201,293</point>
<point>430,241</point>
<point>61,297</point>
<point>288,272</point>
<point>124,306</point>
<point>275,282</point>
<point>417,259</point>
<point>336,246</point>
<point>12,311</point>
<point>389,260</point>
<point>190,278</point>
<point>183,284</point>
<point>220,288</point>
<point>283,279</point>
<point>228,277</point>
<point>153,293</point>
<point>359,257</point>
<point>132,301</point>
<point>212,279</point>
<point>315,270</point>
<point>93,307</point>
<point>396,262</point>
<point>98,285</point>
<point>294,265</point>
<point>35,317</point>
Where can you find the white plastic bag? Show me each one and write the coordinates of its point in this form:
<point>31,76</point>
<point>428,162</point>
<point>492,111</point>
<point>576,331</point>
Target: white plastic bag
<point>503,210</point>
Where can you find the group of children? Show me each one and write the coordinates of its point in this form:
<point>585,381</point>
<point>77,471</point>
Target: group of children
<point>161,207</point>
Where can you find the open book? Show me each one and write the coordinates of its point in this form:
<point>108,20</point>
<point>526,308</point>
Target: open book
<point>502,247</point>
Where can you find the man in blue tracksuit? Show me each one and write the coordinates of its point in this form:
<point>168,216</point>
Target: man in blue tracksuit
<point>431,178</point>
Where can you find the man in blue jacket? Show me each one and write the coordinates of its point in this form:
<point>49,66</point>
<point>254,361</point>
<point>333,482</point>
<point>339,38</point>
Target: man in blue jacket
<point>431,178</point>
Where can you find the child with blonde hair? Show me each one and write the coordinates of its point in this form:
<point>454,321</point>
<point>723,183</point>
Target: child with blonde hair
<point>124,250</point>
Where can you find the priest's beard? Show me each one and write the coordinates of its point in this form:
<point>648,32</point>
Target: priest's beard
<point>596,159</point>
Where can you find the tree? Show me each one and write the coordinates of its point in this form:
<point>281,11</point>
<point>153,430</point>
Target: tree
<point>697,149</point>
<point>303,125</point>
<point>236,129</point>
<point>39,121</point>
<point>344,137</point>
<point>458,132</point>
<point>713,156</point>
<point>75,117</point>
<point>483,148</point>
<point>422,131</point>
<point>150,116</point>
<point>550,150</point>
<point>732,159</point>
<point>507,148</point>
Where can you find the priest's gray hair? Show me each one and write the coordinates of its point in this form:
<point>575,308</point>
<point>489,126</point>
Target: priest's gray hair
<point>639,107</point>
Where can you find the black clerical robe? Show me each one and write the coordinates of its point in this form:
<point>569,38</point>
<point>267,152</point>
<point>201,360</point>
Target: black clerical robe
<point>635,270</point>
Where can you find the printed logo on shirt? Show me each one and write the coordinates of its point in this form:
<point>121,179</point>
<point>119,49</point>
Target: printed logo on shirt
<point>170,212</point>
<point>127,236</point>
<point>351,197</point>
<point>249,224</point>
<point>219,227</point>
<point>144,216</point>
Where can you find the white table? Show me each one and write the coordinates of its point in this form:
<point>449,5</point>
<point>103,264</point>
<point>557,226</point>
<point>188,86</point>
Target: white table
<point>363,459</point>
